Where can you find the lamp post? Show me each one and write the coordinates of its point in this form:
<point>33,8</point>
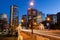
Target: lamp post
<point>48,24</point>
<point>22,21</point>
<point>31,5</point>
<point>48,19</point>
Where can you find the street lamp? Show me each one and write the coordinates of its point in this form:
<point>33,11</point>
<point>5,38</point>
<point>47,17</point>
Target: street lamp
<point>48,19</point>
<point>31,5</point>
<point>22,21</point>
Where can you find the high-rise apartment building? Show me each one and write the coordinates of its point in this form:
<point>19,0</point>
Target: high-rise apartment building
<point>14,17</point>
<point>39,17</point>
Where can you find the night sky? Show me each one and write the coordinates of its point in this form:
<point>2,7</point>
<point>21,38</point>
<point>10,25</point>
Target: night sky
<point>46,6</point>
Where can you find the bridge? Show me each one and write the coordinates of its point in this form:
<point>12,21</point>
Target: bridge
<point>40,34</point>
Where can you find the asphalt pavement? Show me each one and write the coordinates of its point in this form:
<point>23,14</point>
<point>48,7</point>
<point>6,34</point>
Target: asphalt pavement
<point>48,33</point>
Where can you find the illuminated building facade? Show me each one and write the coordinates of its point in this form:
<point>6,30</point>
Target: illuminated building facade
<point>32,14</point>
<point>14,17</point>
<point>3,22</point>
<point>53,18</point>
<point>39,17</point>
<point>24,21</point>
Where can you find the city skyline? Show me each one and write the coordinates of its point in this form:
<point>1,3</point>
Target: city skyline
<point>30,19</point>
<point>46,6</point>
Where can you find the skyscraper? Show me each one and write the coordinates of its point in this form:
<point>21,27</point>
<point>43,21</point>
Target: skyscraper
<point>14,17</point>
<point>39,17</point>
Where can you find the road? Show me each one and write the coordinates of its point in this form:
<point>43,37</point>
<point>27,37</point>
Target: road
<point>48,33</point>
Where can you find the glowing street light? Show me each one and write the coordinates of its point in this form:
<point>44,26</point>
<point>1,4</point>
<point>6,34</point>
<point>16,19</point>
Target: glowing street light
<point>48,19</point>
<point>22,20</point>
<point>31,3</point>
